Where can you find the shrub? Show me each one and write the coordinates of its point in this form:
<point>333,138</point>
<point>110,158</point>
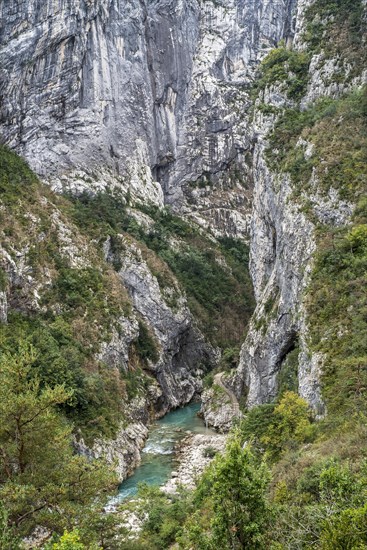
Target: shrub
<point>16,178</point>
<point>209,452</point>
<point>3,280</point>
<point>146,344</point>
<point>345,530</point>
<point>276,427</point>
<point>287,66</point>
<point>68,541</point>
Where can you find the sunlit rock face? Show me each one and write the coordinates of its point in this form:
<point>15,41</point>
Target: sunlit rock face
<point>124,93</point>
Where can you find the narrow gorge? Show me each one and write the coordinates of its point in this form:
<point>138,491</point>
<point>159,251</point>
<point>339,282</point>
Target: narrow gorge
<point>183,215</point>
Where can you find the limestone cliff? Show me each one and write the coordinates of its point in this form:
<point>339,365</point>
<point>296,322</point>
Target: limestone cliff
<point>114,93</point>
<point>286,218</point>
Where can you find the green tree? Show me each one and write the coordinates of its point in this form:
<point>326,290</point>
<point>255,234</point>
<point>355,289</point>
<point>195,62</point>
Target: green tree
<point>241,512</point>
<point>357,238</point>
<point>275,427</point>
<point>42,482</point>
<point>290,423</point>
<point>69,541</point>
<point>8,538</point>
<point>345,531</point>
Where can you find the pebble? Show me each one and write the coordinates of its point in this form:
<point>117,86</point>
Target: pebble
<point>192,460</point>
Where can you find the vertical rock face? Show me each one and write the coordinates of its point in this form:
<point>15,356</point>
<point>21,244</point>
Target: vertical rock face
<point>281,249</point>
<point>283,239</point>
<point>77,92</point>
<point>211,176</point>
<point>184,356</point>
<point>104,93</point>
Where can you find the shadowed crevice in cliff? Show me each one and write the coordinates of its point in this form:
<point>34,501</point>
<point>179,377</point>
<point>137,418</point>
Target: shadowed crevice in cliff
<point>162,86</point>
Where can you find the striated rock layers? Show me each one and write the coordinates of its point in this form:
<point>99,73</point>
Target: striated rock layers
<point>114,93</point>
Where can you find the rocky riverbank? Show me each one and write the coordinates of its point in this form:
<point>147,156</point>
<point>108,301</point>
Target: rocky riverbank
<point>194,454</point>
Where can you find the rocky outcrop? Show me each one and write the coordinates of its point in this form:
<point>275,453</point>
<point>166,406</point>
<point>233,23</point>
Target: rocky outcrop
<point>122,94</point>
<point>115,352</point>
<point>183,353</point>
<point>219,405</point>
<point>122,452</point>
<point>217,409</point>
<point>3,307</point>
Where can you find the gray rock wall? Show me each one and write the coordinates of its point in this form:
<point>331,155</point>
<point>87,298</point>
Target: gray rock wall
<point>184,356</point>
<point>283,243</point>
<point>105,93</point>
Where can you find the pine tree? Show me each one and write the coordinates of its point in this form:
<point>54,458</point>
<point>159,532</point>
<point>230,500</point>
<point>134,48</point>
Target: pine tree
<point>42,481</point>
<point>240,509</point>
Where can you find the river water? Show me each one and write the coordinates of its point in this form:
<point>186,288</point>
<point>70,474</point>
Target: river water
<point>158,457</point>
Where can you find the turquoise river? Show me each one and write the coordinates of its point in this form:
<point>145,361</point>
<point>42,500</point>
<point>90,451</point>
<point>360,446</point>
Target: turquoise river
<point>158,456</point>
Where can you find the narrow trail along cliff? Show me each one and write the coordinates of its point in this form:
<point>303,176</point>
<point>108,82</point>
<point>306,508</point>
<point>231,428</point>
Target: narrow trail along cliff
<point>218,379</point>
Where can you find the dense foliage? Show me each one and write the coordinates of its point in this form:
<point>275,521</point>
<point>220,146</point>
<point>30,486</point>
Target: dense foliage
<point>286,67</point>
<point>42,481</point>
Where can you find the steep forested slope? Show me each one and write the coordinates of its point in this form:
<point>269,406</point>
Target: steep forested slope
<point>110,316</point>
